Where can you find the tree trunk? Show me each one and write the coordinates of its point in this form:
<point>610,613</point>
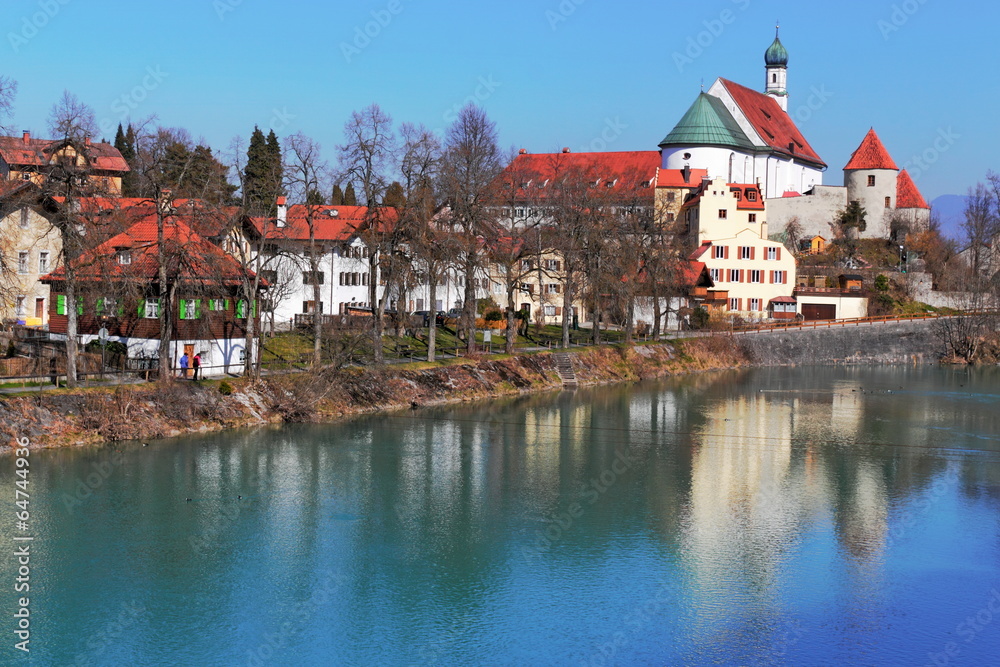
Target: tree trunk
<point>377,310</point>
<point>71,328</point>
<point>511,331</point>
<point>567,312</point>
<point>470,307</point>
<point>166,300</point>
<point>629,318</point>
<point>250,368</point>
<point>432,322</point>
<point>317,318</point>
<point>657,314</point>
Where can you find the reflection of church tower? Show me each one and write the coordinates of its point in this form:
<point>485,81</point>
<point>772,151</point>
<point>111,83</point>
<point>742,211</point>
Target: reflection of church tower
<point>776,65</point>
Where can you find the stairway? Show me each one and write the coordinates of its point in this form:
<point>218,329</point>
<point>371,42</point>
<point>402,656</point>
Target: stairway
<point>565,367</point>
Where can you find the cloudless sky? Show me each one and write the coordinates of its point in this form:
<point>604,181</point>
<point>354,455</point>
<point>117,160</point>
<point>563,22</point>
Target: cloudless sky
<point>587,74</point>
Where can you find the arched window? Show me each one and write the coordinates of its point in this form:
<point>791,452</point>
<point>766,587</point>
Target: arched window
<point>774,78</point>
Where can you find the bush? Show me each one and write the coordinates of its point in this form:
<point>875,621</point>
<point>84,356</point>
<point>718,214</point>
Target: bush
<point>493,316</point>
<point>881,283</point>
<point>11,349</point>
<point>225,388</point>
<point>699,318</point>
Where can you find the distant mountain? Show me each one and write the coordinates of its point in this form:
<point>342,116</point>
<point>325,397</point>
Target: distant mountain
<point>950,209</point>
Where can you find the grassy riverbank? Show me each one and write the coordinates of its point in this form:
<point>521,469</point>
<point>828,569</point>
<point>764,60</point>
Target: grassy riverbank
<point>133,412</point>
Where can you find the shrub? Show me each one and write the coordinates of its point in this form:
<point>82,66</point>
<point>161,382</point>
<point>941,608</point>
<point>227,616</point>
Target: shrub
<point>882,283</point>
<point>493,316</point>
<point>225,388</point>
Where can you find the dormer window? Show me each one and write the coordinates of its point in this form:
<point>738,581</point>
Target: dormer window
<point>751,195</point>
<point>736,193</point>
<point>124,256</point>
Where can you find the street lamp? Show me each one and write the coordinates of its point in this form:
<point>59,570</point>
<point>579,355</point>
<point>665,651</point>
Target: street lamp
<point>901,269</point>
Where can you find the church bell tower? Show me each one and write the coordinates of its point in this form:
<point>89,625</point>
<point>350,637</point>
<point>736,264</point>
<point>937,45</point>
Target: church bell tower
<point>776,66</point>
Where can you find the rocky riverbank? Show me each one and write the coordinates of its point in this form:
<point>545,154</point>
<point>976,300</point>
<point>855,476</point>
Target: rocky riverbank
<point>136,412</point>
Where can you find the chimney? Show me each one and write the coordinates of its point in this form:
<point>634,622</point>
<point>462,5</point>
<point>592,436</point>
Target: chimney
<point>166,202</point>
<point>686,171</point>
<point>566,150</point>
<point>282,218</point>
<point>26,137</point>
<point>523,151</point>
<point>86,140</point>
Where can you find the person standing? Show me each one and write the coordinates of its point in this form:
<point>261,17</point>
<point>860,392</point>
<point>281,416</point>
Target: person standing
<point>184,365</point>
<point>196,365</point>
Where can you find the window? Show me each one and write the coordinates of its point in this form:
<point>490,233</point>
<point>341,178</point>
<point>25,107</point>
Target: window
<point>779,277</point>
<point>218,305</point>
<point>43,261</point>
<point>670,217</point>
<point>671,196</point>
<point>752,217</point>
<point>21,309</point>
<point>527,264</point>
<point>24,217</point>
<point>151,309</point>
<point>716,274</point>
<point>106,305</point>
<point>124,257</point>
<point>22,261</point>
<point>756,276</point>
<point>735,275</point>
<point>734,304</point>
<point>310,278</point>
<point>527,287</point>
<point>190,309</point>
<point>553,265</point>
<point>719,252</point>
<point>746,252</point>
<point>774,78</point>
<point>736,194</point>
<point>772,254</point>
<point>552,288</point>
<point>871,181</point>
<point>241,309</point>
<point>751,195</point>
<point>270,275</point>
<point>723,214</point>
<point>755,304</point>
<point>550,310</point>
<point>888,202</point>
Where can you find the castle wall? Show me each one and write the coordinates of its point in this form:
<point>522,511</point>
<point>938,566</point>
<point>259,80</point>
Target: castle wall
<point>815,212</point>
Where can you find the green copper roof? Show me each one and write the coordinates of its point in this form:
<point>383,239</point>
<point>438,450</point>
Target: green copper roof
<point>707,123</point>
<point>776,54</point>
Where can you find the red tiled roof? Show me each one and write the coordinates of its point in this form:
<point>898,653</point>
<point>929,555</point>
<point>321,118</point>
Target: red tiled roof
<point>18,152</point>
<point>191,257</point>
<point>791,193</point>
<point>773,125</point>
<point>784,299</point>
<point>701,250</point>
<point>624,172</point>
<point>674,178</point>
<point>692,272</point>
<point>744,202</point>
<point>907,194</point>
<point>328,227</point>
<point>871,154</point>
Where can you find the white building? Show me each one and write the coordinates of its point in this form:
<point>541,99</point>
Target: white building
<point>744,136</point>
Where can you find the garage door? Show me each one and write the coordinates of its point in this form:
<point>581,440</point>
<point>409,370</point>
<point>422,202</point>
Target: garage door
<point>819,311</point>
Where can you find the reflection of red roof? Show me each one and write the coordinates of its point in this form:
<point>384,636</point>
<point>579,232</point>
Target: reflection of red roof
<point>871,154</point>
<point>331,223</point>
<point>907,194</point>
<point>18,152</point>
<point>674,178</point>
<point>773,125</point>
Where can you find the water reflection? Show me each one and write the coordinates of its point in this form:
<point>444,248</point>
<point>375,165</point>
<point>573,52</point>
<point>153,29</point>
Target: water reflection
<point>816,516</point>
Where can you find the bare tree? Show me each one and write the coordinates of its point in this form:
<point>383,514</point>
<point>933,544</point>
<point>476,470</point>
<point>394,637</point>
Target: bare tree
<point>472,161</point>
<point>365,158</point>
<point>72,119</point>
<point>981,227</point>
<point>305,171</point>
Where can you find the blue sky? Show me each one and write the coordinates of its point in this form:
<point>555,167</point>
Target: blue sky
<point>552,73</point>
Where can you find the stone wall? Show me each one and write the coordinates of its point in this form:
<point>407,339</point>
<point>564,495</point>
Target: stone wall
<point>889,343</point>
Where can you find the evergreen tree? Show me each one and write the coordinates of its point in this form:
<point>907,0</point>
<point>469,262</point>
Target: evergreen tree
<point>125,143</point>
<point>255,175</point>
<point>315,198</point>
<point>196,174</point>
<point>350,199</point>
<point>394,196</point>
<point>337,199</point>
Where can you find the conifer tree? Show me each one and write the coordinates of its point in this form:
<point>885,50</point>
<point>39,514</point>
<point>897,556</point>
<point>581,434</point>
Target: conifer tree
<point>337,198</point>
<point>125,143</point>
<point>394,196</point>
<point>350,199</point>
<point>262,174</point>
<point>315,198</point>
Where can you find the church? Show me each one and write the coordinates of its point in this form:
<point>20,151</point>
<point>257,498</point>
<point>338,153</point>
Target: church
<point>745,136</point>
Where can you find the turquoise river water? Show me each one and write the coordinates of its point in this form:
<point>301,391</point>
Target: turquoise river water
<point>807,516</point>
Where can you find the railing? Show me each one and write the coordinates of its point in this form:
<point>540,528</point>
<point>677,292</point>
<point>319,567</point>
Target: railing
<point>815,324</point>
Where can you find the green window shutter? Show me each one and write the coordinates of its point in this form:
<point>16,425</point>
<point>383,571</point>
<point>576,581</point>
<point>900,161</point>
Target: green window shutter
<point>79,305</point>
<point>121,310</point>
<point>142,308</point>
<point>241,307</point>
<point>197,309</point>
<point>253,311</point>
<point>61,304</point>
<point>99,305</point>
<point>226,306</point>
